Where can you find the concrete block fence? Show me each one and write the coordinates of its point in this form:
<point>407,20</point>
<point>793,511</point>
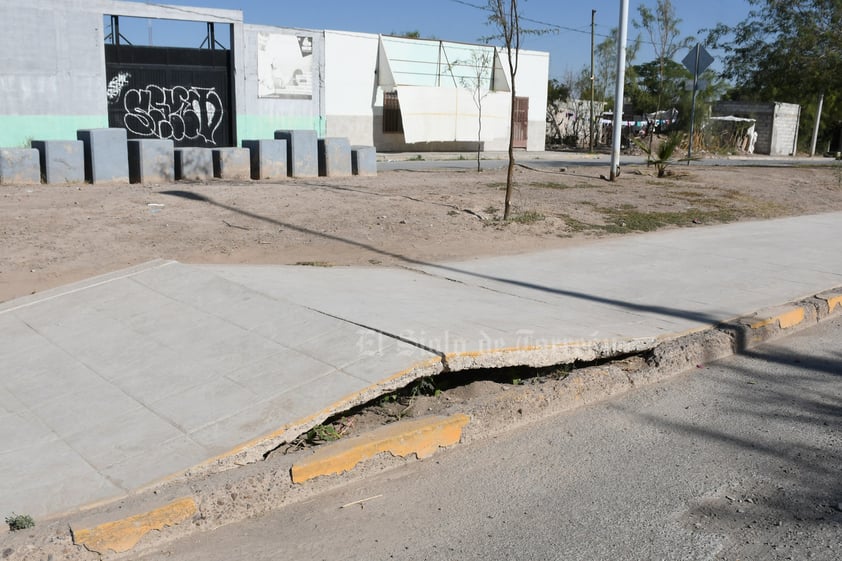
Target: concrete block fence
<point>106,156</point>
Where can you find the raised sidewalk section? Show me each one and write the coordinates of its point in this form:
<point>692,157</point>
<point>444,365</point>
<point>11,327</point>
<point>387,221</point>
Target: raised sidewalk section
<point>115,383</point>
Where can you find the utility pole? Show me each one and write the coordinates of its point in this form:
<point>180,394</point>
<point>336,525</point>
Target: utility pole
<point>693,107</point>
<point>619,89</point>
<point>591,140</point>
<point>816,126</point>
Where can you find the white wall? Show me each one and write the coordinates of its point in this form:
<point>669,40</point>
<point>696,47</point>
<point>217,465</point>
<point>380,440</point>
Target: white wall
<point>532,77</point>
<point>53,77</point>
<point>258,117</point>
<point>351,85</point>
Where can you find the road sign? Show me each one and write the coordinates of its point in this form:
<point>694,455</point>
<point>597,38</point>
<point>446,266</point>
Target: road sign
<point>696,61</point>
<point>697,53</point>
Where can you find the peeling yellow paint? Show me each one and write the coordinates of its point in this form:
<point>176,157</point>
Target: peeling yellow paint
<point>421,437</point>
<point>785,320</point>
<point>122,535</point>
<point>512,350</point>
<point>833,301</point>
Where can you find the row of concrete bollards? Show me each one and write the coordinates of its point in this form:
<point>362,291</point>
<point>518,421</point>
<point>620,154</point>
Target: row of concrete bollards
<point>107,156</point>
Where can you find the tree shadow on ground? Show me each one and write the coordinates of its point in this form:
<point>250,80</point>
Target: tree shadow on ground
<point>631,306</point>
<point>782,409</point>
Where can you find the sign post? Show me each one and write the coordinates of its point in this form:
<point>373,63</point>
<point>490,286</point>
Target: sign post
<point>696,61</point>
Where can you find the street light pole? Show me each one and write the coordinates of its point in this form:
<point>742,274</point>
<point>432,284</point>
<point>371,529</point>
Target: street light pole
<point>591,140</point>
<point>619,90</point>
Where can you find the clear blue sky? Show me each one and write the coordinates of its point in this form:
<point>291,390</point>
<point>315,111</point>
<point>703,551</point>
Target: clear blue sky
<point>454,20</point>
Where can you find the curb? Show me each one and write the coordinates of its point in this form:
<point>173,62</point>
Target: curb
<point>122,535</point>
<point>421,437</point>
<point>785,317</point>
<point>833,298</point>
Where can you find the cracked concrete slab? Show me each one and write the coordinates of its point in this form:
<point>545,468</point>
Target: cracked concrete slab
<point>123,380</point>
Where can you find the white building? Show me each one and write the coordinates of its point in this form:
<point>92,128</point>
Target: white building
<point>66,69</point>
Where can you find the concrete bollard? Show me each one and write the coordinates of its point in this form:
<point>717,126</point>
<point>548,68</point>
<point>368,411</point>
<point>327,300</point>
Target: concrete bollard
<point>106,155</point>
<point>231,163</point>
<point>61,161</point>
<point>364,160</point>
<point>334,157</point>
<point>268,158</point>
<point>19,166</point>
<point>195,164</point>
<point>302,152</point>
<point>151,160</point>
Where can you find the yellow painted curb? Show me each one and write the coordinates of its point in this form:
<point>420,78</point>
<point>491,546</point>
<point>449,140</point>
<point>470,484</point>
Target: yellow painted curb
<point>832,302</point>
<point>420,436</point>
<point>122,535</point>
<point>785,319</point>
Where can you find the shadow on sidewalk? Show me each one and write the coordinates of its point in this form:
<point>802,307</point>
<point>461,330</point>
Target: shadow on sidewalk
<point>662,310</point>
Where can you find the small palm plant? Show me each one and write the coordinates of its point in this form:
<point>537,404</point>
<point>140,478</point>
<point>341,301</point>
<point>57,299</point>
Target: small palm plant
<point>661,156</point>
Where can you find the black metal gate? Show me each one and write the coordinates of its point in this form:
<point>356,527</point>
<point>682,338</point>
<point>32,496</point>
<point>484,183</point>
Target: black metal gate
<point>185,95</point>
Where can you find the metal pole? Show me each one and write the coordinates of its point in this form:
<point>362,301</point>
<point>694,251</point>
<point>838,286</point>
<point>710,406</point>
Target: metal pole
<point>211,36</point>
<point>816,126</point>
<point>115,30</point>
<point>693,107</point>
<point>591,140</point>
<point>618,90</point>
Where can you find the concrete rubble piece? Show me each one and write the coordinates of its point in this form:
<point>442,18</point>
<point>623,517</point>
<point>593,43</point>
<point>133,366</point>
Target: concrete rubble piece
<point>125,380</point>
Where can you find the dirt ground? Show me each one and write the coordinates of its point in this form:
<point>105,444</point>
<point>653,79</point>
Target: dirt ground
<point>54,234</point>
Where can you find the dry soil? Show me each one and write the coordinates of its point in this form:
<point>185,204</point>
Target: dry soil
<point>55,234</point>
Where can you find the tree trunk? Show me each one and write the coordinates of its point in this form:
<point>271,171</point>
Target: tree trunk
<point>511,169</point>
<point>479,134</point>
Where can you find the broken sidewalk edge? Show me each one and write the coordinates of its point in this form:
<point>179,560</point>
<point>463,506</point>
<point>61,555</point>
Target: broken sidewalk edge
<point>122,535</point>
<point>421,437</point>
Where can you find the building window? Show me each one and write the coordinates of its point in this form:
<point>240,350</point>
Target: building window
<point>391,113</point>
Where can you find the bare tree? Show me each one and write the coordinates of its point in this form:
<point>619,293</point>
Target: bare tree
<point>505,17</point>
<point>662,28</point>
<point>478,83</point>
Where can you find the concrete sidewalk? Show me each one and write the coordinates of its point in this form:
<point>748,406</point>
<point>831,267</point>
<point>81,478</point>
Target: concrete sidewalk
<point>115,383</point>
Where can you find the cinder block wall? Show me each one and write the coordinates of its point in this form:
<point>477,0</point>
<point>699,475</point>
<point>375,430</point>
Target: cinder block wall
<point>785,129</point>
<point>777,124</point>
<point>764,113</point>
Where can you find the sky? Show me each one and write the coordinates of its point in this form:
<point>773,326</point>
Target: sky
<point>457,20</point>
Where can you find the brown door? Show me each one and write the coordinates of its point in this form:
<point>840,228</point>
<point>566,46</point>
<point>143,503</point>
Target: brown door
<point>521,121</point>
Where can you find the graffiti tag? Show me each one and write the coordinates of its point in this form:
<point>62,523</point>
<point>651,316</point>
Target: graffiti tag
<point>177,113</point>
<point>116,85</point>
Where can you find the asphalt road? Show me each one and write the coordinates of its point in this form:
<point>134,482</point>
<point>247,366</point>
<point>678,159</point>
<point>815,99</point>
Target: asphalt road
<point>555,160</point>
<point>737,460</point>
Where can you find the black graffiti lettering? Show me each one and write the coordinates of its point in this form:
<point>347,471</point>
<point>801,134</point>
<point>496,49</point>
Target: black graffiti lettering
<point>177,113</point>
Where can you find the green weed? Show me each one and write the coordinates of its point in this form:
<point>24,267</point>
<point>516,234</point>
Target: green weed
<point>19,522</point>
<point>321,434</point>
<point>527,217</point>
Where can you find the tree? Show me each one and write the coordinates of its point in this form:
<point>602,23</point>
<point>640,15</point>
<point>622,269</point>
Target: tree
<point>504,15</point>
<point>605,71</point>
<point>662,28</point>
<point>785,51</point>
<point>658,85</point>
<point>478,83</point>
